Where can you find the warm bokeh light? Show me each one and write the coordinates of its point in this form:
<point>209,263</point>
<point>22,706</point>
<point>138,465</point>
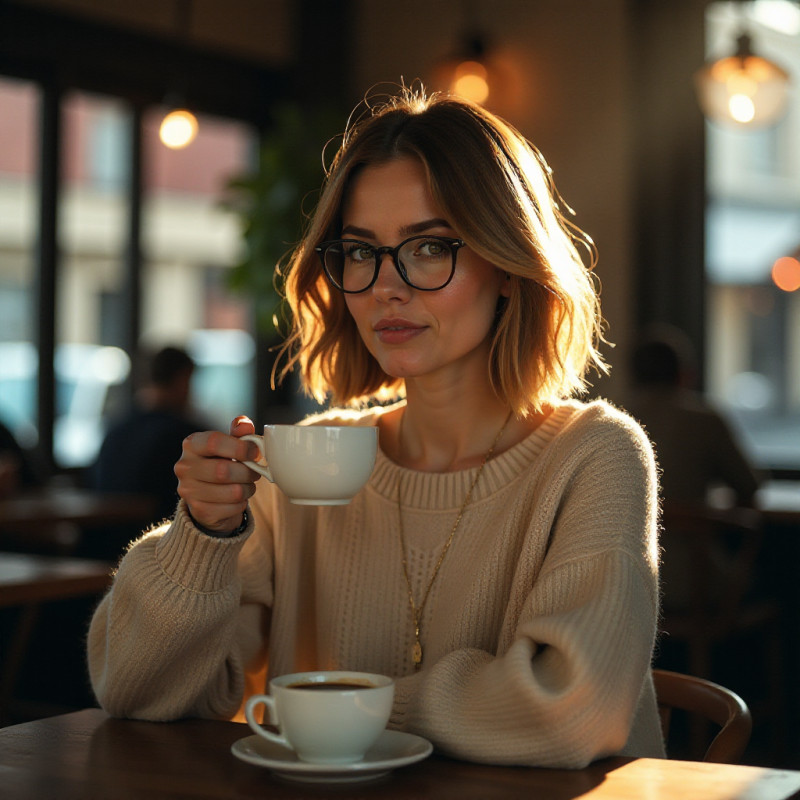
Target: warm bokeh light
<point>741,108</point>
<point>786,274</point>
<point>178,129</point>
<point>471,81</point>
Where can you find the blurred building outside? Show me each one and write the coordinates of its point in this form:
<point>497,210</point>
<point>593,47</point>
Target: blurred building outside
<point>752,220</point>
<point>188,241</point>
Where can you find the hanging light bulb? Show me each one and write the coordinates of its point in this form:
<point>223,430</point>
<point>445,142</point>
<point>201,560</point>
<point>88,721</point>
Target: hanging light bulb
<point>471,81</point>
<point>743,89</point>
<point>178,129</point>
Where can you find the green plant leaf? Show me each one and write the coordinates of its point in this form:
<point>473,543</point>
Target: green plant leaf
<point>269,202</point>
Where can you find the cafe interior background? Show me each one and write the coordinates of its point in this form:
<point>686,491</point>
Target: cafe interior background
<point>110,240</point>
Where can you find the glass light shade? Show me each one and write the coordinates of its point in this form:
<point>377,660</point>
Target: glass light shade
<point>744,89</point>
<point>178,129</point>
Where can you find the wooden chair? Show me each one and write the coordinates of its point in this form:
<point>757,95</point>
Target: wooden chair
<point>713,703</point>
<point>709,564</point>
<point>710,560</point>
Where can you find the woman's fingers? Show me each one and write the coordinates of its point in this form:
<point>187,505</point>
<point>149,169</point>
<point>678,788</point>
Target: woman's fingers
<point>242,426</point>
<point>214,444</point>
<point>211,478</point>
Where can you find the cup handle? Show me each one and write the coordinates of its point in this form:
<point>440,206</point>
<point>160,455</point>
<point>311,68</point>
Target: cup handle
<point>271,718</point>
<point>261,469</point>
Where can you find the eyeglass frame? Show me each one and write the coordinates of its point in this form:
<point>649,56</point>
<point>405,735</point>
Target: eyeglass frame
<point>453,242</point>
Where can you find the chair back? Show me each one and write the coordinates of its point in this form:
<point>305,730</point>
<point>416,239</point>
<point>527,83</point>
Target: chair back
<point>713,703</point>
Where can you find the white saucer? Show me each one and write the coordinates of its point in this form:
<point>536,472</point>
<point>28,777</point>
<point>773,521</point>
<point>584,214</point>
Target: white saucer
<point>393,749</point>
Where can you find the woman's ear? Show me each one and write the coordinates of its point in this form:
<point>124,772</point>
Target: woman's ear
<point>505,285</point>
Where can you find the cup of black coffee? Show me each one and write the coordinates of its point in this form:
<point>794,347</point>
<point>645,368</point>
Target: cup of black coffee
<point>327,717</point>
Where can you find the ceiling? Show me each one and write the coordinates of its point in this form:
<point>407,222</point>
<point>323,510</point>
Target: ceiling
<point>234,59</point>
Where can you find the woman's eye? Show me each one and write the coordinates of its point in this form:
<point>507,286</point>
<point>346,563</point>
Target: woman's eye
<point>359,253</point>
<point>432,248</point>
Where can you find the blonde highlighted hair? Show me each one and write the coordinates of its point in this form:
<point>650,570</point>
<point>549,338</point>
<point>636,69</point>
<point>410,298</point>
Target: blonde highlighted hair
<point>497,192</point>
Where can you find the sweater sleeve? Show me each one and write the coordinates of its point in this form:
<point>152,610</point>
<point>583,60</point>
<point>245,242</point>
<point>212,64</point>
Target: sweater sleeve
<point>174,635</point>
<point>567,688</point>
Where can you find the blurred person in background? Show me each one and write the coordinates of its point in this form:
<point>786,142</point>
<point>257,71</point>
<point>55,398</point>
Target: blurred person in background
<point>696,448</point>
<point>139,451</point>
<point>18,467</point>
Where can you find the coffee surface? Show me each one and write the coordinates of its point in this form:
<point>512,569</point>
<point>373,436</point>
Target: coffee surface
<point>330,686</point>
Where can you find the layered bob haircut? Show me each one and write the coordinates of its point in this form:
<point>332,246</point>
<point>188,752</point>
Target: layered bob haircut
<point>497,193</point>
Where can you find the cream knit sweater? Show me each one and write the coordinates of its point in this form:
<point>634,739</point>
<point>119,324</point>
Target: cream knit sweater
<point>537,634</point>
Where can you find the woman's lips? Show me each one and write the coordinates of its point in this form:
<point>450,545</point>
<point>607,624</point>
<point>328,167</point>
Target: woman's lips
<point>397,331</point>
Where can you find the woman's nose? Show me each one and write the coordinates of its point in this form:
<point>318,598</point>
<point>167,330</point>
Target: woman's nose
<point>389,285</point>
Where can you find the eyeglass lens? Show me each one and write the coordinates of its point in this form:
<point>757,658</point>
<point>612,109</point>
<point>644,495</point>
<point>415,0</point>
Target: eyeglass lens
<point>425,262</point>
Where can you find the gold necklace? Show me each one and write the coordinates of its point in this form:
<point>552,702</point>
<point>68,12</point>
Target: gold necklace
<point>416,610</point>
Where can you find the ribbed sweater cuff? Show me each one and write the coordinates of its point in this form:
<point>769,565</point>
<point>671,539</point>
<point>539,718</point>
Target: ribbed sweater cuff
<point>198,562</point>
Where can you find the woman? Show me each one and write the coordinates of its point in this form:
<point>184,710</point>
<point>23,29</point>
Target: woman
<point>501,563</point>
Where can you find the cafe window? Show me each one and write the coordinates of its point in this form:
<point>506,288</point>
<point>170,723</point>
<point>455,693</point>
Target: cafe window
<point>190,243</point>
<point>91,368</point>
<point>752,228</point>
<point>19,101</point>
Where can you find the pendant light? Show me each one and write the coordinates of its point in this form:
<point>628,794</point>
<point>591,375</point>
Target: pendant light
<point>468,70</point>
<point>179,127</point>
<point>470,78</point>
<point>743,90</point>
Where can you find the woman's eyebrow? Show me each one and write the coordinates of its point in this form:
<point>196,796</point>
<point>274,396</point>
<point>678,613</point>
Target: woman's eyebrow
<point>353,230</point>
<point>405,230</point>
<point>425,225</point>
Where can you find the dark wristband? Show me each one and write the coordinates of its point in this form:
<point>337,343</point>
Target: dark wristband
<point>218,534</point>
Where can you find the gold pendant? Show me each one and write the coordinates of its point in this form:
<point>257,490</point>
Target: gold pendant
<point>416,654</point>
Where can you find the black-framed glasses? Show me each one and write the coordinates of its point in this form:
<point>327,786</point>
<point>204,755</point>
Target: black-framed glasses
<point>426,263</point>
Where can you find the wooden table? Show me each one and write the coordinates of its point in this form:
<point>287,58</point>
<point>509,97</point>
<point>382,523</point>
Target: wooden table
<point>89,755</point>
<point>81,507</point>
<point>71,521</point>
<point>29,579</point>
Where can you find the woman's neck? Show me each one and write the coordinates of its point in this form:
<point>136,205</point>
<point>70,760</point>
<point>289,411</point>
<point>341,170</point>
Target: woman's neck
<point>436,436</point>
<point>447,439</point>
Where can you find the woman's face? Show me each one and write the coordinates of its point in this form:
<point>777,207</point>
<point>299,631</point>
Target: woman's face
<point>411,333</point>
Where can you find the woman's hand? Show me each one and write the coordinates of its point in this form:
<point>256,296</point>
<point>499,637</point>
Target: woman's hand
<point>215,486</point>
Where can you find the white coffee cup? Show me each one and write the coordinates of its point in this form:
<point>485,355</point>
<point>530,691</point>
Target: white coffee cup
<point>316,464</point>
<point>330,717</point>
